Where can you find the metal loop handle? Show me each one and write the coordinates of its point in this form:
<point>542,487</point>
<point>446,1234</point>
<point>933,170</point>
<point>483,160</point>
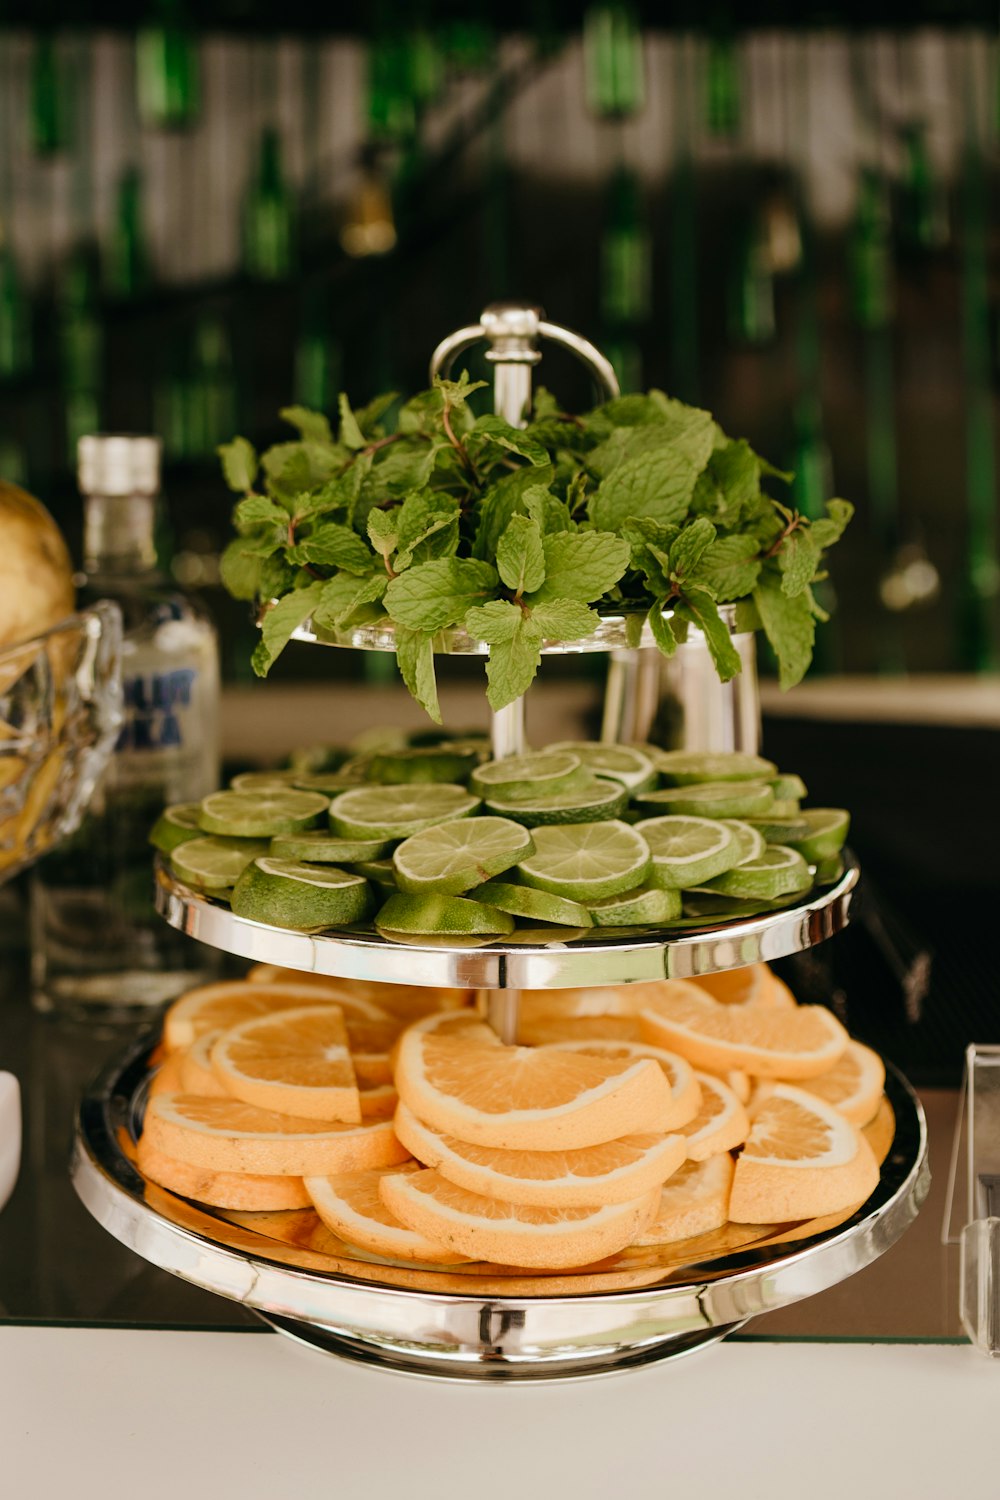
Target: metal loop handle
<point>512,330</point>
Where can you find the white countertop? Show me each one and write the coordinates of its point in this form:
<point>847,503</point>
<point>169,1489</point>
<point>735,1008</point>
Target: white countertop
<point>101,1414</point>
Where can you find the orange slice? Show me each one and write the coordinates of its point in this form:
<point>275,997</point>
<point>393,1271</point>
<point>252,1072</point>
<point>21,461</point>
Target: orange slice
<point>616,1172</point>
<point>548,1029</point>
<point>371,1041</point>
<point>513,1234</point>
<point>226,1135</point>
<point>744,986</point>
<point>378,1100</point>
<point>351,1205</point>
<point>405,1001</point>
<point>801,1160</point>
<point>195,1068</point>
<point>216,1007</point>
<point>238,1190</point>
<point>853,1085</point>
<point>167,1078</point>
<point>685,1092</point>
<point>741,1084</point>
<point>721,1123</point>
<point>880,1132</point>
<point>592,1000</point>
<point>694,1201</point>
<point>776,994</point>
<point>528,1098</point>
<point>771,1043</point>
<point>296,1062</point>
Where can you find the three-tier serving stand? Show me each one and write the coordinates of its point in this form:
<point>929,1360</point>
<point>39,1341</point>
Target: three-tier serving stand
<point>482,1322</point>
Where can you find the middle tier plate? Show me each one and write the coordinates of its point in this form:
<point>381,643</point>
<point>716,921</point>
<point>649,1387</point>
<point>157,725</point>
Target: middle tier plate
<point>523,961</point>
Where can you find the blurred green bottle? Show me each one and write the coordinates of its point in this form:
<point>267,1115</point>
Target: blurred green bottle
<point>614,77</point>
<point>317,355</point>
<point>210,390</point>
<point>15,318</point>
<point>871,253</point>
<point>51,98</point>
<point>626,272</point>
<point>127,263</point>
<point>81,346</point>
<point>722,87</point>
<point>923,197</point>
<point>168,87</point>
<point>750,292</point>
<point>268,215</point>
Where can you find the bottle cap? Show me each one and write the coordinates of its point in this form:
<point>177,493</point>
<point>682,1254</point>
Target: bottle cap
<point>118,464</point>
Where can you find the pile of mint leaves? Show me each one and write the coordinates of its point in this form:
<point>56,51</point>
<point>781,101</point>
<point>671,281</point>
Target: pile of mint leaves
<point>521,535</point>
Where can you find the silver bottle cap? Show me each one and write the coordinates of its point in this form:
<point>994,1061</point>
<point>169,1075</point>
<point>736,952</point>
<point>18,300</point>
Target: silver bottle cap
<point>118,464</point>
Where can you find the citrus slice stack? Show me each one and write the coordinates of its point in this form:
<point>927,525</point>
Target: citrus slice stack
<point>196,1074</point>
<point>245,1191</point>
<point>685,1091</point>
<point>296,1063</point>
<point>721,1123</point>
<point>352,1206</point>
<point>694,1201</point>
<point>407,1001</point>
<point>853,1085</point>
<point>550,1030</point>
<point>216,1007</point>
<point>744,986</point>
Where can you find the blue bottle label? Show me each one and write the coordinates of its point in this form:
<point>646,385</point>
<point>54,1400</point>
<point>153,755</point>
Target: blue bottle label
<point>155,706</point>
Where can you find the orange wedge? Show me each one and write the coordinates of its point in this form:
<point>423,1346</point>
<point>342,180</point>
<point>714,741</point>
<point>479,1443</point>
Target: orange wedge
<point>694,1201</point>
<point>777,994</point>
<point>548,1029</point>
<point>195,1068</point>
<point>239,1190</point>
<point>853,1085</point>
<point>771,1043</point>
<point>352,1206</point>
<point>513,1234</point>
<point>802,1159</point>
<point>296,1062</point>
<point>745,986</point>
<point>616,1172</point>
<point>216,1007</point>
<point>721,1123</point>
<point>226,1135</point>
<point>528,1098</point>
<point>685,1092</point>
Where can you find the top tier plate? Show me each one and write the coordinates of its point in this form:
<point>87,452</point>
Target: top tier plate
<point>595,957</point>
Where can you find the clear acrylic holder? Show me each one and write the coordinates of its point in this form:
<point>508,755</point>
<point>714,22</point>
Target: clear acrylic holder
<point>975,1157</point>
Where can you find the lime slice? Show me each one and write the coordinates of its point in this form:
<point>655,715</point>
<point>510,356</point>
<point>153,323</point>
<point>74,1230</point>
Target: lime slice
<point>827,833</point>
<point>453,857</point>
<point>688,767</point>
<point>290,893</point>
<point>533,906</point>
<point>440,916</point>
<point>708,908</point>
<point>623,763</point>
<point>784,807</point>
<point>788,787</point>
<point>780,830</point>
<point>752,843</point>
<point>778,872</point>
<point>324,848</point>
<point>175,825</point>
<point>396,812</point>
<point>648,906</point>
<point>381,872</point>
<point>712,799</point>
<point>261,781</point>
<point>586,861</point>
<point>329,783</point>
<point>260,815</point>
<point>829,869</point>
<point>593,800</point>
<point>532,775</point>
<point>214,864</point>
<point>422,764</point>
<point>687,851</point>
<point>317,758</point>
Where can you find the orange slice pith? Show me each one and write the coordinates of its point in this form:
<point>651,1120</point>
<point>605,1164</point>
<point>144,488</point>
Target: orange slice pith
<point>685,1091</point>
<point>802,1160</point>
<point>616,1172</point>
<point>296,1062</point>
<point>405,1001</point>
<point>694,1201</point>
<point>591,1000</point>
<point>378,1100</point>
<point>880,1131</point>
<point>351,1205</point>
<point>721,1123</point>
<point>513,1234</point>
<point>743,986</point>
<point>238,1190</point>
<point>853,1085</point>
<point>547,1030</point>
<point>195,1068</point>
<point>770,1043</point>
<point>216,1007</point>
<point>536,1099</point>
<point>226,1135</point>
<point>167,1079</point>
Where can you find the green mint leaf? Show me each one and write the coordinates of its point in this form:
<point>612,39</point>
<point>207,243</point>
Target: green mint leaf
<point>789,625</point>
<point>682,429</point>
<point>689,548</point>
<point>623,411</point>
<point>659,484</point>
<point>415,658</point>
<point>661,627</point>
<point>798,560</point>
<point>520,559</point>
<point>831,527</point>
<point>334,546</point>
<point>495,622</point>
<point>239,464</point>
<point>543,403</point>
<point>729,484</point>
<point>292,468</point>
<point>343,596</point>
<point>455,393</point>
<point>785,475</point>
<point>276,577</point>
<point>565,620</point>
<point>502,500</point>
<point>428,527</point>
<point>512,664</point>
<point>729,568</point>
<point>438,593</point>
<point>280,622</point>
<point>548,510</point>
<point>350,433</point>
<point>403,467</point>
<point>340,494</point>
<point>383,531</point>
<point>368,417</point>
<point>312,426</point>
<point>699,608</point>
<point>258,510</point>
<point>240,569</point>
<point>493,433</point>
<point>581,565</point>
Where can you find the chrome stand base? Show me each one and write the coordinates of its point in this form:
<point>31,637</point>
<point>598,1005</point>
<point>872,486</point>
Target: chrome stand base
<point>488,1363</point>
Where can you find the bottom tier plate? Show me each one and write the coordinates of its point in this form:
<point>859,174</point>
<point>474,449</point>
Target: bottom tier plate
<point>481,1322</point>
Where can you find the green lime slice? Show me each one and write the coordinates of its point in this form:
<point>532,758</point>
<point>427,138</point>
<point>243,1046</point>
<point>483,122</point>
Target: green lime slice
<point>396,812</point>
<point>827,833</point>
<point>687,851</point>
<point>594,800</point>
<point>788,787</point>
<point>260,815</point>
<point>688,767</point>
<point>778,872</point>
<point>309,898</point>
<point>623,763</point>
<point>648,906</point>
<point>214,864</point>
<point>324,848</point>
<point>586,861</point>
<point>440,916</point>
<point>784,807</point>
<point>752,843</point>
<point>310,758</point>
<point>421,764</point>
<point>780,830</point>
<point>453,857</point>
<point>708,908</point>
<point>261,781</point>
<point>381,872</point>
<point>533,775</point>
<point>829,869</point>
<point>175,825</point>
<point>711,799</point>
<point>534,906</point>
<point>329,783</point>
